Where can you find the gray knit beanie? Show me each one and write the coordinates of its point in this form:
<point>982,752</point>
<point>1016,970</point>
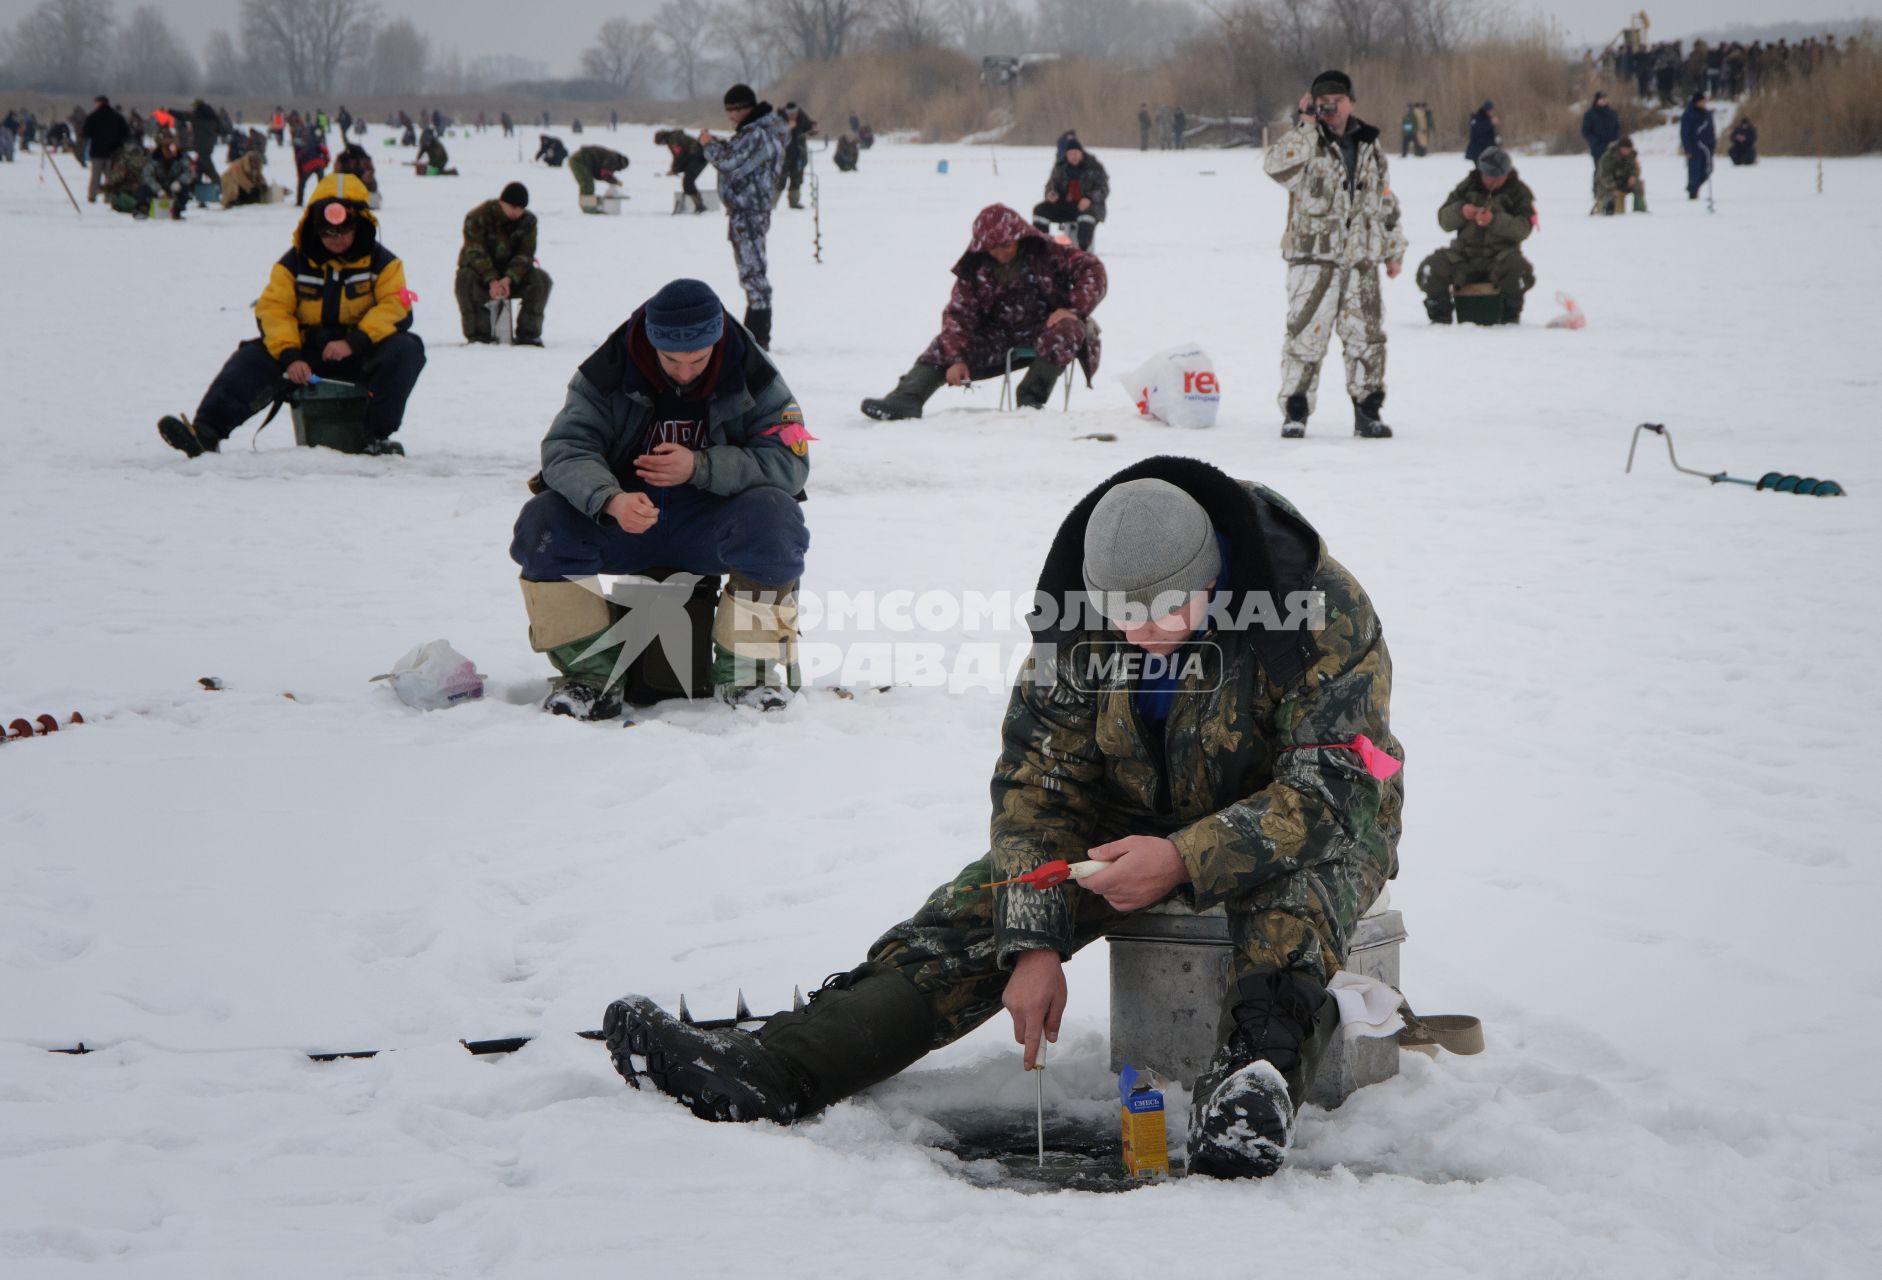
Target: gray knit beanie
<point>1145,539</point>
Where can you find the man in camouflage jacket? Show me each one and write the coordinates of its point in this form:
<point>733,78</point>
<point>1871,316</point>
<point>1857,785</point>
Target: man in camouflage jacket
<point>497,263</point>
<point>1258,773</point>
<point>1342,223</point>
<point>1013,288</point>
<point>123,181</point>
<point>591,163</point>
<point>750,163</point>
<point>1617,177</point>
<point>1491,213</point>
<point>169,173</point>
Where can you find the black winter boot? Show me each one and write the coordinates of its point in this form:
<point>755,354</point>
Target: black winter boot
<point>1366,422</point>
<point>1439,309</point>
<point>758,321</point>
<point>1242,1115</point>
<point>1036,387</point>
<point>180,433</point>
<point>1512,308</point>
<point>910,394</point>
<point>857,1030</point>
<point>1295,425</point>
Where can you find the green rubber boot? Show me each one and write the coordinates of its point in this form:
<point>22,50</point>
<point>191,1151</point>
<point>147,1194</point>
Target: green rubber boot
<point>910,394</point>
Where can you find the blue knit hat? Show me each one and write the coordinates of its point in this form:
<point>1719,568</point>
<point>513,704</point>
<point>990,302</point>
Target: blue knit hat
<point>686,315</point>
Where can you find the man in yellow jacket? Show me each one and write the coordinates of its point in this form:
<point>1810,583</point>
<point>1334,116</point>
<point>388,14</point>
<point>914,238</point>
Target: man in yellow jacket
<point>336,306</point>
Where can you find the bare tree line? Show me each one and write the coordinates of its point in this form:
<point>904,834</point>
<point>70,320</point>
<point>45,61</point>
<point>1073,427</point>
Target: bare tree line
<point>692,47</point>
<point>294,47</point>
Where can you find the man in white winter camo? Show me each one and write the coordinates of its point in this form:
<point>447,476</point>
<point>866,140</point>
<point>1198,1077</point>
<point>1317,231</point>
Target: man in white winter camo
<point>1342,224</point>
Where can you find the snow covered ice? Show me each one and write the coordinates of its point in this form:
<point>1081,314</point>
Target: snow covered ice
<point>1638,712</point>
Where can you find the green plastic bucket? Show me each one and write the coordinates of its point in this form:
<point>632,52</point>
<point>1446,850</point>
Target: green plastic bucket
<point>329,415</point>
<point>1478,304</point>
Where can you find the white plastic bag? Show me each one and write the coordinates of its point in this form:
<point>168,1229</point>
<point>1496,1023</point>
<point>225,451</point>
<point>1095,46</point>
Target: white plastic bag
<point>433,676</point>
<point>1177,386</point>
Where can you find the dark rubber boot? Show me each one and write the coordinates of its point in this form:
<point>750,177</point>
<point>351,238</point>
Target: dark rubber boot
<point>1512,308</point>
<point>1036,387</point>
<point>910,394</point>
<point>1366,424</point>
<point>859,1029</point>
<point>1295,425</point>
<point>1439,309</point>
<point>758,321</point>
<point>1273,1036</point>
<point>179,433</point>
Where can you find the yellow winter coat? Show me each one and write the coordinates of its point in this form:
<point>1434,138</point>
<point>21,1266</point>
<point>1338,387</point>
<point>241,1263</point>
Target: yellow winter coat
<point>313,299</point>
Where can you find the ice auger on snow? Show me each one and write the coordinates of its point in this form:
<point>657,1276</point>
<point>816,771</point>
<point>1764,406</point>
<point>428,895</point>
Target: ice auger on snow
<point>1776,481</point>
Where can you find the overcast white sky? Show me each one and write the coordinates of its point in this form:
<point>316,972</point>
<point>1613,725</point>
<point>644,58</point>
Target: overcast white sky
<point>554,31</point>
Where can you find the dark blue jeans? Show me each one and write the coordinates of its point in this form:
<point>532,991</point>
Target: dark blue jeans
<point>759,534</point>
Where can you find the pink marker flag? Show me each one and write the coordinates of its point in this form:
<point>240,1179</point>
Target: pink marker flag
<point>1378,763</point>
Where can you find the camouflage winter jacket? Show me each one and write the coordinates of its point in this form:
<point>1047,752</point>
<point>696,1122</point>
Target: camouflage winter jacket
<point>170,174</point>
<point>1240,782</point>
<point>1513,216</point>
<point>754,427</point>
<point>602,162</point>
<point>750,161</point>
<point>1094,184</point>
<point>495,246</point>
<point>124,172</point>
<point>1616,169</point>
<point>1329,217</point>
<point>994,307</point>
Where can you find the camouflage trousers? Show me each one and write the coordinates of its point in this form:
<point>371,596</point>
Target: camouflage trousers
<point>1323,299</point>
<point>747,232</point>
<point>1447,268</point>
<point>473,304</point>
<point>949,948</point>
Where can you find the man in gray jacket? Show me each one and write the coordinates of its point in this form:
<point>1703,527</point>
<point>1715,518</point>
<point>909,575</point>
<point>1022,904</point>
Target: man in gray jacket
<point>750,163</point>
<point>679,448</point>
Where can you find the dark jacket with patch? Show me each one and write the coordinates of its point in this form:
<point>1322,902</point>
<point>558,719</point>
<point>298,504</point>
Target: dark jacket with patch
<point>1263,816</point>
<point>754,427</point>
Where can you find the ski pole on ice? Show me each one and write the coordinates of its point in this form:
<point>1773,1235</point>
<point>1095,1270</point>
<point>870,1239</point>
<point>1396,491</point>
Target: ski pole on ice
<point>46,157</point>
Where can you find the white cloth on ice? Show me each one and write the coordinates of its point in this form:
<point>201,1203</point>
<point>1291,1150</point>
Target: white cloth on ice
<point>1368,1007</point>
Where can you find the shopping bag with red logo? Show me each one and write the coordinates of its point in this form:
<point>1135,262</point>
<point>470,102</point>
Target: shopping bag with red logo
<point>1177,386</point>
